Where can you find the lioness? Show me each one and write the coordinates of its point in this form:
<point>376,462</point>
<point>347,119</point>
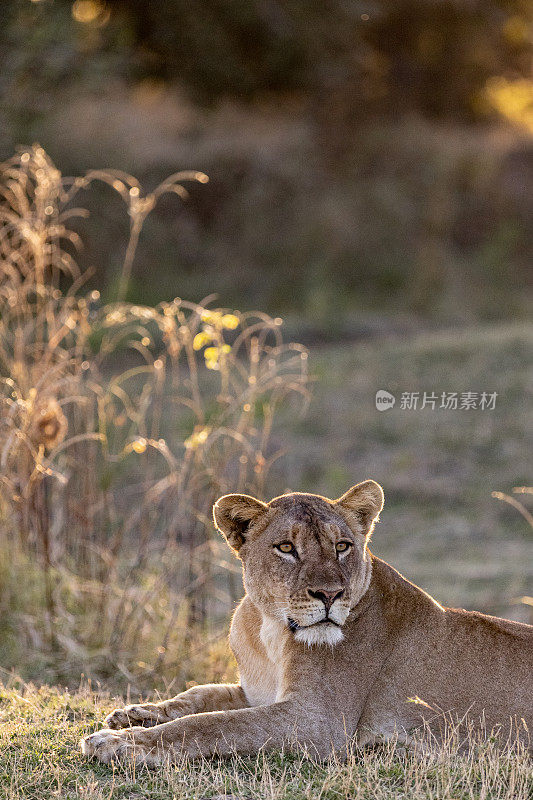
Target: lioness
<point>331,642</point>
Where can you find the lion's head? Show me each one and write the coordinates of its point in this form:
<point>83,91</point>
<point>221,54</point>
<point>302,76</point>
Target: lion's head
<point>304,557</point>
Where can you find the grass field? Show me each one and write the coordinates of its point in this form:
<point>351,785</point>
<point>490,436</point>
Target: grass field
<point>440,527</point>
<point>40,729</point>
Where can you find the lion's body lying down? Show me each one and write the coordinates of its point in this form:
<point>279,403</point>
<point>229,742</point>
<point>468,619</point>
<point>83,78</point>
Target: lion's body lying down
<point>333,643</point>
<point>403,657</point>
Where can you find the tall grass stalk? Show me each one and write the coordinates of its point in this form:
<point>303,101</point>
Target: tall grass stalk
<point>120,424</point>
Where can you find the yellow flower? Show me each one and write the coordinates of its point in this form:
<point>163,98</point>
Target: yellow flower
<point>211,354</point>
<point>230,321</point>
<point>138,446</point>
<point>212,318</point>
<point>197,438</point>
<point>226,348</point>
<point>200,340</point>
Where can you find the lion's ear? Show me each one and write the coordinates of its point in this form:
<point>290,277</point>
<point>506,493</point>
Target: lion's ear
<point>361,505</point>
<point>233,515</point>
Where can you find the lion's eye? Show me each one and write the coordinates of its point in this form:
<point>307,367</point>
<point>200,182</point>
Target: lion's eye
<point>342,547</point>
<point>286,547</point>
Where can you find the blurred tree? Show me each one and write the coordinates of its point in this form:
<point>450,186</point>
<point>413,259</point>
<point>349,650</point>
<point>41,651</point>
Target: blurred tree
<point>440,53</point>
<point>360,188</point>
<point>348,59</point>
<point>240,47</point>
<point>433,55</point>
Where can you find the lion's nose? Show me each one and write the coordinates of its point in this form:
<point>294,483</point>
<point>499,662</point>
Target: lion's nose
<point>327,597</point>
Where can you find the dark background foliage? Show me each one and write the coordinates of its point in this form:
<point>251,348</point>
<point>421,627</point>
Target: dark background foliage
<point>357,136</point>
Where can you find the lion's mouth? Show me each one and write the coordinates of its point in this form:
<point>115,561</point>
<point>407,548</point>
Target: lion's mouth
<point>294,626</point>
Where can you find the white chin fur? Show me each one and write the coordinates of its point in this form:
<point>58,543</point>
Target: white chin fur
<point>319,634</point>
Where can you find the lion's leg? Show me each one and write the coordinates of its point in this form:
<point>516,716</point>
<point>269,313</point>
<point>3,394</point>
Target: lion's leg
<point>211,697</point>
<point>245,730</point>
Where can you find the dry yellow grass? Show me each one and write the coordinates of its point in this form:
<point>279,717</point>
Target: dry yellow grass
<point>120,424</point>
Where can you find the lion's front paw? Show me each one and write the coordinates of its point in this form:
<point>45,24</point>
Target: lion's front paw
<point>107,746</point>
<point>146,716</point>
